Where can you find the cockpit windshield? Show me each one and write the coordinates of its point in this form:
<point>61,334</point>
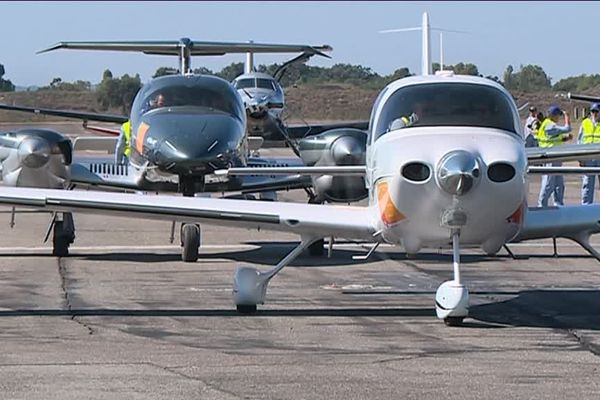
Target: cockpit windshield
<point>446,104</point>
<point>244,83</point>
<point>251,83</point>
<point>264,84</point>
<point>182,91</point>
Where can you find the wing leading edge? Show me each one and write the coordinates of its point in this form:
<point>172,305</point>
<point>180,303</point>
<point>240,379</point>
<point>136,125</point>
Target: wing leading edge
<point>304,219</point>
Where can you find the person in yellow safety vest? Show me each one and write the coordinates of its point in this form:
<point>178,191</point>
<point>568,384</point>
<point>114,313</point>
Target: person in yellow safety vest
<point>589,133</point>
<point>551,134</point>
<point>123,148</point>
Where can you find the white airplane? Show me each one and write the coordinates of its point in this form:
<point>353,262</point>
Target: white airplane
<point>455,175</point>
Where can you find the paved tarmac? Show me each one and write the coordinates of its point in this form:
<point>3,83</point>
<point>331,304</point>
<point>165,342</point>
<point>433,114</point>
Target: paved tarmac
<point>124,318</point>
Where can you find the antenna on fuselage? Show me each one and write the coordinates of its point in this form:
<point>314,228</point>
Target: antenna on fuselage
<point>425,29</point>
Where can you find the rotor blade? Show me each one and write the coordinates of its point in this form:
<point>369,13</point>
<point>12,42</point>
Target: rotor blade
<point>400,30</point>
<point>450,31</point>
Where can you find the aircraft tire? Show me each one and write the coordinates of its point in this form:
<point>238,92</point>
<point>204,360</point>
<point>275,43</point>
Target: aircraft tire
<point>190,240</point>
<point>246,308</point>
<point>317,249</point>
<point>453,321</point>
<point>60,242</point>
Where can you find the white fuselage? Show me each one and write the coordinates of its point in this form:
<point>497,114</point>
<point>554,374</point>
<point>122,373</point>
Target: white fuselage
<point>422,213</point>
<point>261,94</point>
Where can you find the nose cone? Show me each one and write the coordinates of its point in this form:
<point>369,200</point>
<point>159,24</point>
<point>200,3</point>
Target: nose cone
<point>33,152</point>
<point>347,150</point>
<point>457,172</point>
<point>195,142</point>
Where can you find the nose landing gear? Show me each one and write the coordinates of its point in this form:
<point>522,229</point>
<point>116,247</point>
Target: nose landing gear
<point>452,297</point>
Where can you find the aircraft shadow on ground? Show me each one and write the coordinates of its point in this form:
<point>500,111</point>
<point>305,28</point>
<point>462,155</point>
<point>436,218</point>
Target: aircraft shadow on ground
<point>270,253</point>
<point>557,309</point>
<point>317,312</point>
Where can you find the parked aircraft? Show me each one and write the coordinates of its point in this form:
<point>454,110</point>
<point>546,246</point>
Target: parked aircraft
<point>184,127</point>
<point>466,187</point>
<point>445,167</point>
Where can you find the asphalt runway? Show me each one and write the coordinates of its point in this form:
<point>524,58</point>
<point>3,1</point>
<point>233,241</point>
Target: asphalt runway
<point>124,318</point>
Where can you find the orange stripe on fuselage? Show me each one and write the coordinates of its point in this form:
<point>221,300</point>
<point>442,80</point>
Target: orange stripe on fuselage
<point>141,135</point>
<point>389,213</point>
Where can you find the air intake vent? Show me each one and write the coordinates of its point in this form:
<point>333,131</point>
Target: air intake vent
<point>416,172</point>
<point>501,172</point>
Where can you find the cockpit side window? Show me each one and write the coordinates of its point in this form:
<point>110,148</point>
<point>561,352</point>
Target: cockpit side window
<point>446,104</point>
<point>244,83</point>
<point>262,83</point>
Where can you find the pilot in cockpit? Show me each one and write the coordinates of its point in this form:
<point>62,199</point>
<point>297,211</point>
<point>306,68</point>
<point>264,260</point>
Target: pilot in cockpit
<point>421,109</point>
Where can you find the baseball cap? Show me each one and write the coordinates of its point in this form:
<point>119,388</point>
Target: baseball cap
<point>554,110</point>
<point>533,108</point>
<point>595,107</point>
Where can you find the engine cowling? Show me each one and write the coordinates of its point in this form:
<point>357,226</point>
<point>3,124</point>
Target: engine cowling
<point>35,158</point>
<point>336,147</point>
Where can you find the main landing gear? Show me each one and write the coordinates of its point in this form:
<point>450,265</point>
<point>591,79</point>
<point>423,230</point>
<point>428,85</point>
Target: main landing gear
<point>62,227</point>
<point>452,297</point>
<point>250,285</point>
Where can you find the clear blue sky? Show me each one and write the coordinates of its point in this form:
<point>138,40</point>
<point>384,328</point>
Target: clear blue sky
<point>559,36</point>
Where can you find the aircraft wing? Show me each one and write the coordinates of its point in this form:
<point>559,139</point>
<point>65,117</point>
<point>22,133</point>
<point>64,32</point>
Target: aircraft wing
<point>567,221</point>
<point>567,152</point>
<point>119,119</point>
<point>304,219</point>
<point>300,131</point>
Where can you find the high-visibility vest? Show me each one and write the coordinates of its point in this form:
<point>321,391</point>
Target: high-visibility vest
<point>126,127</point>
<point>591,133</point>
<point>545,140</point>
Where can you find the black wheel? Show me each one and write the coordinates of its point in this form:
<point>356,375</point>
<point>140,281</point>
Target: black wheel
<point>453,321</point>
<point>60,241</point>
<point>190,240</point>
<point>317,249</point>
<point>246,308</point>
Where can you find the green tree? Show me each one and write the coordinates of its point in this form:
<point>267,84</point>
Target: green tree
<point>117,92</point>
<point>231,71</point>
<point>530,78</point>
<point>162,71</point>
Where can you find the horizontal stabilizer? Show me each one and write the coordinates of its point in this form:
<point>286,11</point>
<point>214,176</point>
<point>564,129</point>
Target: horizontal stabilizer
<point>196,48</point>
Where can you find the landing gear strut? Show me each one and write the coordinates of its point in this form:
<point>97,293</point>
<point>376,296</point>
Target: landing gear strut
<point>317,249</point>
<point>250,285</point>
<point>452,297</point>
<point>63,233</point>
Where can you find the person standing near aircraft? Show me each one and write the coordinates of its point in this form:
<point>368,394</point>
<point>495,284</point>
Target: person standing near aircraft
<point>589,133</point>
<point>123,148</point>
<point>551,134</point>
<point>530,131</point>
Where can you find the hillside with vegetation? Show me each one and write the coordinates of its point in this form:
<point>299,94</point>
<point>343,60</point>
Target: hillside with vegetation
<point>339,92</point>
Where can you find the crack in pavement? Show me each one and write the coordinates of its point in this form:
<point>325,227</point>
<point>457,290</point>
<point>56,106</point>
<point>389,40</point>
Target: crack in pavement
<point>62,272</point>
<point>584,342</point>
<point>173,370</point>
